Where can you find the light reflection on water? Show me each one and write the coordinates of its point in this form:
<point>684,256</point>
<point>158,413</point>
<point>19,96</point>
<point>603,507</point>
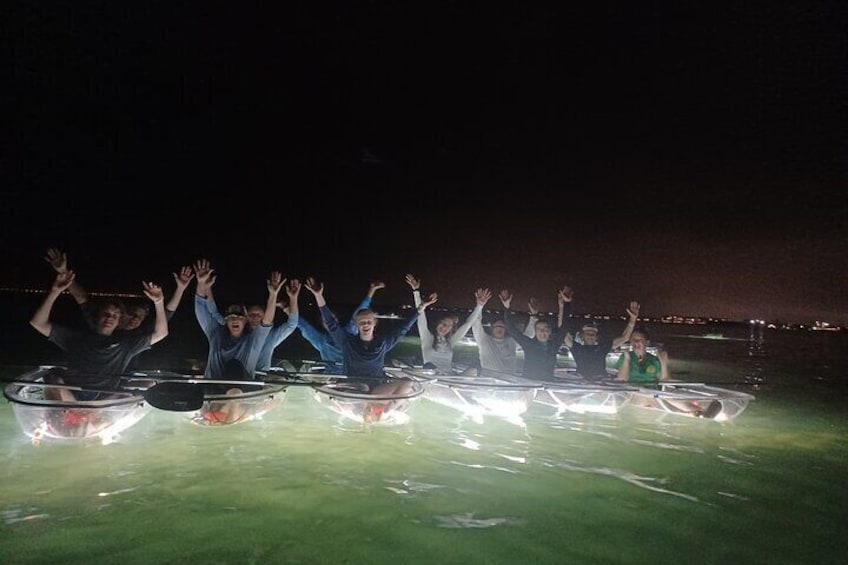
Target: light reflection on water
<point>304,485</point>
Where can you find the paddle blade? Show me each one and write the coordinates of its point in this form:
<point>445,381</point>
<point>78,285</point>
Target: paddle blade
<point>176,397</point>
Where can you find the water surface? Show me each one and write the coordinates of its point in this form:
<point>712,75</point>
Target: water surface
<point>304,486</point>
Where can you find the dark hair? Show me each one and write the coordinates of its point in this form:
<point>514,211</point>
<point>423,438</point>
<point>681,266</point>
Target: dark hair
<point>104,303</point>
<point>135,303</point>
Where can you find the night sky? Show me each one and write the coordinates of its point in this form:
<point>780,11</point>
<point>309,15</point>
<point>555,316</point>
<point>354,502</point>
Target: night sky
<point>689,157</point>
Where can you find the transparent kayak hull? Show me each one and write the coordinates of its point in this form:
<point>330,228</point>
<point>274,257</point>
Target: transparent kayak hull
<point>43,413</point>
<point>694,400</point>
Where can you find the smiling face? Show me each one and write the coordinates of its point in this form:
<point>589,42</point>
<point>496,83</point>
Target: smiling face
<point>255,315</point>
<point>109,318</point>
<point>543,331</point>
<point>590,336</point>
<point>638,343</point>
<point>446,326</point>
<point>366,321</point>
<point>134,317</point>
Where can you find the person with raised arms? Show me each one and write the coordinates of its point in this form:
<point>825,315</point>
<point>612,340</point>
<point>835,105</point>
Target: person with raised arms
<point>323,342</point>
<point>234,349</point>
<point>639,366</point>
<point>590,353</point>
<point>101,351</point>
<point>136,313</point>
<point>540,351</point>
<point>498,352</point>
<point>437,347</point>
<point>364,354</point>
<point>255,314</point>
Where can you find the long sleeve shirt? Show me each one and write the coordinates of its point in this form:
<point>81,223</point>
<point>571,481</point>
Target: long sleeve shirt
<point>276,336</point>
<point>438,350</point>
<point>365,358</point>
<point>224,348</point>
<point>498,355</point>
<point>539,357</point>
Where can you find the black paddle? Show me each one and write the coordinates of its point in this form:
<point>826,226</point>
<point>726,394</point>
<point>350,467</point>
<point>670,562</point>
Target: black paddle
<point>189,395</point>
<point>175,396</point>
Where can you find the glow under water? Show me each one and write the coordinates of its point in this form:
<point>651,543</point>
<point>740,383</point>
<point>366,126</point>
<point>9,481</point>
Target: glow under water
<point>304,486</point>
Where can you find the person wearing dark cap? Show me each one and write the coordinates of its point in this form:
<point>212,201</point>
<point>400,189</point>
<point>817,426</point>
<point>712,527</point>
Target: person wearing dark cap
<point>590,354</point>
<point>254,314</point>
<point>234,348</point>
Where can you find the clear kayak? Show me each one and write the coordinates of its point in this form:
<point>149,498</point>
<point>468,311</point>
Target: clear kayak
<point>50,405</point>
<point>694,400</point>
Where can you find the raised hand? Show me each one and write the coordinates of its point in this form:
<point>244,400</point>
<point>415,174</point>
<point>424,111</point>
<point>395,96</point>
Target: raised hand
<point>430,300</point>
<point>317,290</point>
<point>375,286</point>
<point>565,294</point>
<point>57,259</point>
<point>63,281</point>
<point>533,306</point>
<point>183,277</point>
<point>203,271</point>
<point>153,292</point>
<point>293,290</point>
<point>483,295</point>
<point>275,282</point>
<point>506,298</point>
<point>633,310</point>
<point>413,282</point>
<point>314,286</point>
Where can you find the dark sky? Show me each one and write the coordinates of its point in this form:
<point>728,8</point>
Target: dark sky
<point>690,157</point>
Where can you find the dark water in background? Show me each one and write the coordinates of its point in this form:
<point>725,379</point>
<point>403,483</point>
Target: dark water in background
<point>305,486</point>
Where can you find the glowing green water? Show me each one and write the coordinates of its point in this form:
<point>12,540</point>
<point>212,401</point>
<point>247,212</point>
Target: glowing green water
<point>303,486</point>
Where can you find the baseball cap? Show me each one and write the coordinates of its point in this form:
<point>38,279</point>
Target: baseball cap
<point>590,327</point>
<point>235,310</point>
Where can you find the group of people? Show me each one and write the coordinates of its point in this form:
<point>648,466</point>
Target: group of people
<point>242,340</point>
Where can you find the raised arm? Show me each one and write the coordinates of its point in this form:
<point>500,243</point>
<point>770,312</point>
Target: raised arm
<point>533,308</point>
<point>330,321</point>
<point>182,279</point>
<point>425,336</point>
<point>477,323</point>
<point>274,283</point>
<point>481,296</point>
<point>415,284</point>
<point>317,290</point>
<point>564,297</point>
<point>366,303</point>
<point>41,319</point>
<point>633,313</point>
<point>506,299</point>
<point>205,277</point>
<point>293,292</point>
<point>160,328</point>
<point>59,261</point>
